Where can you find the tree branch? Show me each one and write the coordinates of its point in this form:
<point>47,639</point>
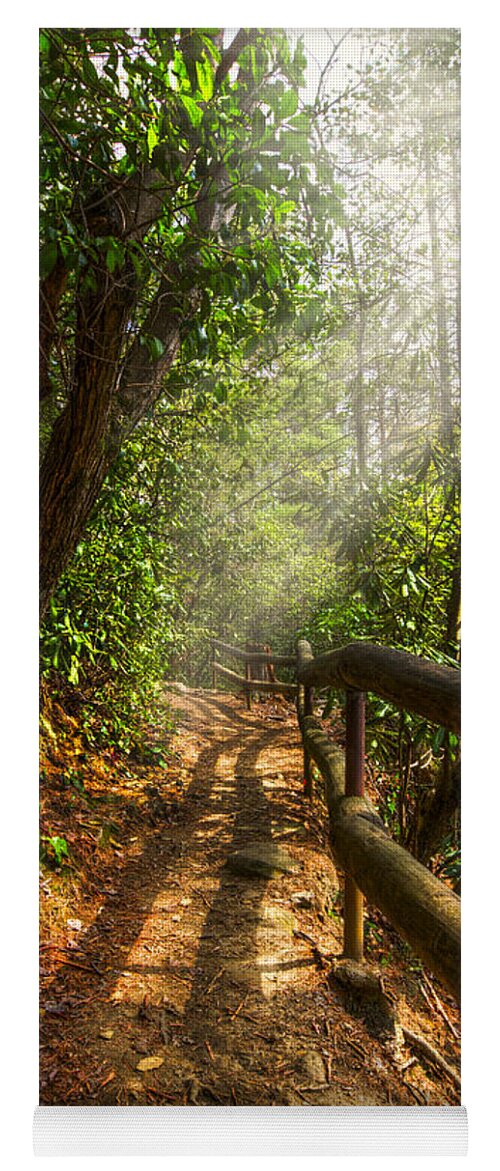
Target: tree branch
<point>243,38</point>
<point>51,291</point>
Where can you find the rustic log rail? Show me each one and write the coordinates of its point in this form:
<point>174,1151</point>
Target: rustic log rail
<point>412,683</point>
<point>256,656</point>
<point>253,659</point>
<point>421,907</point>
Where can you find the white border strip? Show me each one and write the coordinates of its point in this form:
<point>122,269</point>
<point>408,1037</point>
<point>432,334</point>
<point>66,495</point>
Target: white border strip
<point>250,1130</point>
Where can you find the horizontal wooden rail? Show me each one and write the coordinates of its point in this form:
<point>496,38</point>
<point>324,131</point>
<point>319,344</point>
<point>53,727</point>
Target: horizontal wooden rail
<point>421,907</point>
<point>254,656</point>
<point>255,684</point>
<point>412,683</point>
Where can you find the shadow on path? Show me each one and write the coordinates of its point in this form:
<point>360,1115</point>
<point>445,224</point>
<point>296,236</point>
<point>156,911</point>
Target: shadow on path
<point>193,985</point>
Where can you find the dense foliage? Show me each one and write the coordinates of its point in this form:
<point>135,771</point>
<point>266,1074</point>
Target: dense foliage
<point>249,362</point>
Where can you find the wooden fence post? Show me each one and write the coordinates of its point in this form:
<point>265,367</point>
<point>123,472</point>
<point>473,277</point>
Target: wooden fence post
<point>420,906</point>
<point>305,696</point>
<point>254,669</point>
<point>354,787</point>
<point>248,694</point>
<point>308,776</point>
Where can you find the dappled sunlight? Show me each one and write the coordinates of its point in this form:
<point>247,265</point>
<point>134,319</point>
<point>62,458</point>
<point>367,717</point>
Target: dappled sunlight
<point>250,390</point>
<point>214,973</point>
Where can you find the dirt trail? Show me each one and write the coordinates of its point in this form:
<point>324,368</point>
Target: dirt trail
<point>220,977</point>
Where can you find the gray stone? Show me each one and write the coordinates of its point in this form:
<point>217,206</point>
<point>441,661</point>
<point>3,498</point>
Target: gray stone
<point>359,978</point>
<point>262,860</point>
<point>304,898</point>
<point>312,1067</point>
<point>278,919</point>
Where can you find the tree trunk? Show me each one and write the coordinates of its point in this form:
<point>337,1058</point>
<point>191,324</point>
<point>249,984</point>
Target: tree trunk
<point>51,291</point>
<point>435,821</point>
<point>77,459</point>
<point>453,609</point>
<point>458,299</point>
<point>440,307</point>
<point>108,399</point>
<point>382,434</point>
<point>358,401</point>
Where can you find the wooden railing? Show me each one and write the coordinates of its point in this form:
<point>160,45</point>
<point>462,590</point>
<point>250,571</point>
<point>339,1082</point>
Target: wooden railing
<point>421,907</point>
<point>256,661</point>
<point>412,683</point>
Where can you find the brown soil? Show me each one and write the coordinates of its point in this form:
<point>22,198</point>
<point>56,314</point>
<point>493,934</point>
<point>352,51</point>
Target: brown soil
<point>153,948</point>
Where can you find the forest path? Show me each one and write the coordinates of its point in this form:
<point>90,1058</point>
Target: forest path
<point>194,984</point>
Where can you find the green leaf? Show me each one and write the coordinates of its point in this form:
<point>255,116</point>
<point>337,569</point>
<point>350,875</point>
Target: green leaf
<point>152,139</point>
<point>205,79</point>
<point>289,103</point>
<point>272,272</point>
<point>89,71</point>
<point>48,258</point>
<point>114,255</point>
<point>155,347</point>
<point>59,846</point>
<point>259,125</point>
<point>438,739</point>
<point>193,111</point>
<point>284,209</point>
<point>301,121</point>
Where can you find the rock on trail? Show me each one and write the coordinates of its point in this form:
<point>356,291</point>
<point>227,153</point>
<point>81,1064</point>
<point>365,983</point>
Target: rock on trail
<point>264,860</point>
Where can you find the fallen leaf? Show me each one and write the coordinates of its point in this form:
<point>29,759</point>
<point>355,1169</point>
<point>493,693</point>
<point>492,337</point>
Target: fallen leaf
<point>150,1063</point>
<point>107,1034</point>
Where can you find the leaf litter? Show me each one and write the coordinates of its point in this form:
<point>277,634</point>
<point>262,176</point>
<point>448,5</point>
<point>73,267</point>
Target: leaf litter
<point>197,975</point>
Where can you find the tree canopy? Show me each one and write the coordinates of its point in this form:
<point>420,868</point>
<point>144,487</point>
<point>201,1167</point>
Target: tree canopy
<point>249,355</point>
<point>169,164</point>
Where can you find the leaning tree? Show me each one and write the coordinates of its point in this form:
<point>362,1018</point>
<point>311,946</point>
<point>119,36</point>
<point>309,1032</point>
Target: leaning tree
<point>170,161</point>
